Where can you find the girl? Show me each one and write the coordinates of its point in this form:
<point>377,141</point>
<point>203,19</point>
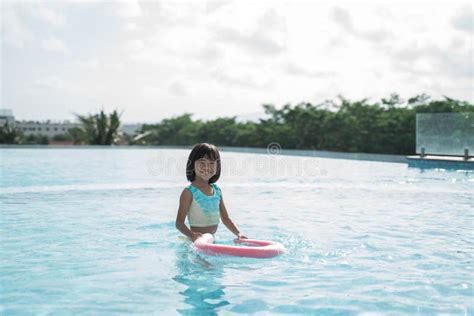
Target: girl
<point>202,200</point>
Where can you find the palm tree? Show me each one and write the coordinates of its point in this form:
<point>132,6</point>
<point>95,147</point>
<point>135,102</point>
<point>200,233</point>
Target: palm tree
<point>98,129</point>
<point>10,134</point>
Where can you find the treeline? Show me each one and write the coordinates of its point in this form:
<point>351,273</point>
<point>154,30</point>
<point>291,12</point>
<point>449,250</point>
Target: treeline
<point>387,127</point>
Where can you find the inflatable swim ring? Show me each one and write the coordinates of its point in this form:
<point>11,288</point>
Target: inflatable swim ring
<point>257,249</point>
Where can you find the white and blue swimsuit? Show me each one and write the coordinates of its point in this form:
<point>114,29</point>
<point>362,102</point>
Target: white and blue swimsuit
<point>204,210</point>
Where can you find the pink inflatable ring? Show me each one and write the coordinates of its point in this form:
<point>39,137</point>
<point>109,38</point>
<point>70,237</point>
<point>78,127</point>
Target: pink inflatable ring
<point>260,249</point>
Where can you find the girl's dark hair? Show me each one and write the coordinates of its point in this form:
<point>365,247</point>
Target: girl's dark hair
<point>199,151</point>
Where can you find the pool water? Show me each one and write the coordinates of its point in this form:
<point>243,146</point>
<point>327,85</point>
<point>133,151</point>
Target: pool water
<point>91,231</point>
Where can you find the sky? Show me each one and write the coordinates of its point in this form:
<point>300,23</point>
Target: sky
<point>152,60</point>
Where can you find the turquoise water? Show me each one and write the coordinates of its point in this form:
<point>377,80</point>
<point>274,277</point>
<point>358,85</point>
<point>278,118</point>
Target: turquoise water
<point>91,231</point>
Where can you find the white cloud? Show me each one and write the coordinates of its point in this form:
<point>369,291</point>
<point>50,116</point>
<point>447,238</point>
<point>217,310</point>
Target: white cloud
<point>259,31</point>
<point>344,19</point>
<point>132,27</point>
<point>210,52</point>
<point>135,45</point>
<point>53,44</point>
<point>297,70</point>
<point>432,60</point>
<point>258,42</point>
<point>243,78</point>
<point>46,15</point>
<point>213,6</point>
<point>464,19</point>
<point>14,31</point>
<point>151,92</point>
<point>128,9</point>
<point>49,84</point>
<point>144,55</point>
<point>89,64</point>
<point>178,88</point>
<point>16,27</point>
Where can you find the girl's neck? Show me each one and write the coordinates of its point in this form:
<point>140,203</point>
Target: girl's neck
<point>200,182</point>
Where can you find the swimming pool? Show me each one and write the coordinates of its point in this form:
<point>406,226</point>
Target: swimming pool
<point>91,231</point>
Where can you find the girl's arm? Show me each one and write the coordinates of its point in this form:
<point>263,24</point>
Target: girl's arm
<point>184,202</point>
<point>227,221</point>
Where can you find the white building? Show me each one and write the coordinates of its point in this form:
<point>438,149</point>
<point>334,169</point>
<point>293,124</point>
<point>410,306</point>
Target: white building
<point>51,129</point>
<point>47,128</point>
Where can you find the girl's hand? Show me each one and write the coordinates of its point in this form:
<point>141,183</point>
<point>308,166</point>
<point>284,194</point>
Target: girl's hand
<point>241,236</point>
<point>196,236</point>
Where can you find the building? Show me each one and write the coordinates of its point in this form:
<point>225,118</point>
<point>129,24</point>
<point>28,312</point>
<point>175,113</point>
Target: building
<point>6,117</point>
<point>47,128</point>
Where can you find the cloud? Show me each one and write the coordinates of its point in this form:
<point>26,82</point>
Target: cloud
<point>271,20</point>
<point>267,38</point>
<point>135,45</point>
<point>237,53</point>
<point>344,20</point>
<point>257,42</point>
<point>464,20</point>
<point>211,52</point>
<point>178,89</point>
<point>46,15</point>
<point>14,31</point>
<point>431,60</point>
<point>342,17</point>
<point>242,78</point>
<point>376,35</point>
<point>213,6</point>
<point>132,27</point>
<point>52,44</point>
<point>49,84</point>
<point>128,9</point>
<point>296,70</point>
<point>89,64</point>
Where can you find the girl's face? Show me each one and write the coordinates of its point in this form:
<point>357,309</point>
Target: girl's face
<point>205,168</point>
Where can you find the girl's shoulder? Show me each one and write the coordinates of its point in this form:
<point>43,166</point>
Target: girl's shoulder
<point>216,187</point>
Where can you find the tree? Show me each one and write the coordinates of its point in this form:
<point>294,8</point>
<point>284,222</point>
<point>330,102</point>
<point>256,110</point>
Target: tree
<point>386,127</point>
<point>98,129</point>
<point>10,134</point>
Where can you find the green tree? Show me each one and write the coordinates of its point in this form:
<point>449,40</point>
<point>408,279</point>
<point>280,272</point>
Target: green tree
<point>387,127</point>
<point>35,140</point>
<point>98,129</point>
<point>10,134</point>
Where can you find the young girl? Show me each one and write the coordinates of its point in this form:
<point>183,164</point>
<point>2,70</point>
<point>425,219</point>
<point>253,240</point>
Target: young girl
<point>202,200</point>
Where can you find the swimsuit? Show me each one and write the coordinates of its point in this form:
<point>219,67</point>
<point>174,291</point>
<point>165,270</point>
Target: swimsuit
<point>204,209</point>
